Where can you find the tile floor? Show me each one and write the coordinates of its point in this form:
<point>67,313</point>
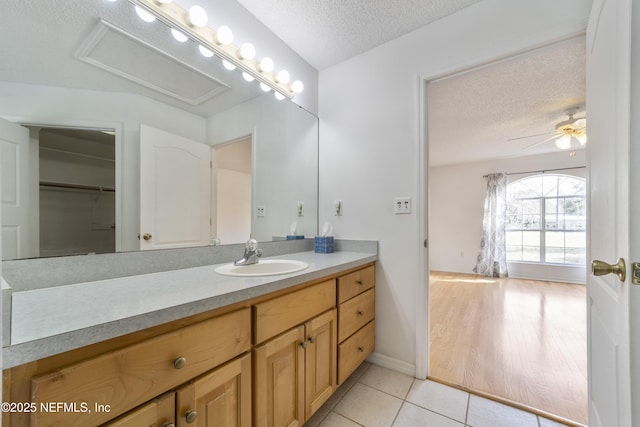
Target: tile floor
<point>377,397</point>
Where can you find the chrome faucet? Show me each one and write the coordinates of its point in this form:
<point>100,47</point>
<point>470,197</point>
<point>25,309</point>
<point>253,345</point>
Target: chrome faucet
<point>251,253</point>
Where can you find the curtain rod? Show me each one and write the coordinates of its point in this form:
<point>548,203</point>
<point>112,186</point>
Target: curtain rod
<point>541,171</point>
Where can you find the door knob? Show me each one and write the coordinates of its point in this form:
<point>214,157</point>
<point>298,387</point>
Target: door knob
<point>600,268</point>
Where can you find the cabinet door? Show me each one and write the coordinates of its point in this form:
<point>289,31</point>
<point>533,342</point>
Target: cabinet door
<point>220,398</point>
<point>320,360</point>
<point>279,381</point>
<point>159,412</point>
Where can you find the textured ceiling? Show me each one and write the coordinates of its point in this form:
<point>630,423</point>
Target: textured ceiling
<point>326,32</point>
<point>473,115</point>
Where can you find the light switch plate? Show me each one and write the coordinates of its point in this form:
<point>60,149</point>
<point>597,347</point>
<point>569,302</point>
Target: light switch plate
<point>402,205</point>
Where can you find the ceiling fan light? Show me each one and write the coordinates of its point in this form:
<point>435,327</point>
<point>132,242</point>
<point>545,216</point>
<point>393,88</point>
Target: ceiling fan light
<point>564,142</point>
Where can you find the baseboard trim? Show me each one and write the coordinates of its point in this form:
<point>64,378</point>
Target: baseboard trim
<point>392,363</point>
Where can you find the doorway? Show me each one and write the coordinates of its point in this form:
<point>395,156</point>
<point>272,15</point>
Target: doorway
<point>232,191</point>
<point>479,121</point>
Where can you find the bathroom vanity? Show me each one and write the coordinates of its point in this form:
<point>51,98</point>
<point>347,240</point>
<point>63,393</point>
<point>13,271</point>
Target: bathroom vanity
<point>218,351</point>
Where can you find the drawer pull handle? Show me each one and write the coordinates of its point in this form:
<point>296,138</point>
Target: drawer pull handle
<point>190,416</point>
<point>359,282</point>
<point>312,340</point>
<point>303,344</point>
<point>361,349</point>
<point>360,313</point>
<point>180,362</point>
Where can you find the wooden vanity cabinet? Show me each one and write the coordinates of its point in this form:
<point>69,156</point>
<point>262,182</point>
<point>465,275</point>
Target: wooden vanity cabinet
<point>271,361</point>
<point>356,314</point>
<point>295,371</point>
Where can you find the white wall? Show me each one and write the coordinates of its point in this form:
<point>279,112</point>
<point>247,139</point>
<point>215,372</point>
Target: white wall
<point>456,200</point>
<point>369,139</point>
<point>84,108</point>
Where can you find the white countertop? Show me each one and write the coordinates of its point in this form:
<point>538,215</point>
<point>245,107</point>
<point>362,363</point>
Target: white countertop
<point>53,320</point>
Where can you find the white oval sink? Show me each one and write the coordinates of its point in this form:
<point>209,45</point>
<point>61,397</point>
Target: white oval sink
<point>266,267</point>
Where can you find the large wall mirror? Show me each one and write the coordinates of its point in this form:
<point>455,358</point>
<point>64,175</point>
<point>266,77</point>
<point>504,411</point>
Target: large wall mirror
<point>98,113</point>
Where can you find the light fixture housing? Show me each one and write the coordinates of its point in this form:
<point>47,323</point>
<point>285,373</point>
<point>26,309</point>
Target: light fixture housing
<point>193,25</point>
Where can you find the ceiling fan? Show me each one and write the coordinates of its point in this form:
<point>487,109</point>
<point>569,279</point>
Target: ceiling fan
<point>569,134</point>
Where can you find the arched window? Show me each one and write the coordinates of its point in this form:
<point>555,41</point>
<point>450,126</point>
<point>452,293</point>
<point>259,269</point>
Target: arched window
<point>546,220</point>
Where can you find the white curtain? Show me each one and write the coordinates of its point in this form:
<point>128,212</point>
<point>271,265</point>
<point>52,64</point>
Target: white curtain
<point>492,258</point>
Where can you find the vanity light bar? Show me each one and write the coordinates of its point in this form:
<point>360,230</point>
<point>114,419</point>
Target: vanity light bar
<point>177,18</point>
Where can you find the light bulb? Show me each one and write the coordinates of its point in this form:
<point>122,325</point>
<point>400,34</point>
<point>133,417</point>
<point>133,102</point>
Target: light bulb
<point>265,87</point>
<point>248,77</point>
<point>179,36</point>
<point>205,52</point>
<point>297,86</point>
<point>228,65</point>
<point>564,142</point>
<point>247,51</point>
<point>224,35</point>
<point>266,65</point>
<point>198,16</point>
<point>279,96</point>
<point>283,76</point>
<point>145,15</point>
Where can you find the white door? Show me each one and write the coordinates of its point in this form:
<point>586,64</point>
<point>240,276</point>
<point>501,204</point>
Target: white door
<point>608,87</point>
<point>175,191</point>
<point>14,168</point>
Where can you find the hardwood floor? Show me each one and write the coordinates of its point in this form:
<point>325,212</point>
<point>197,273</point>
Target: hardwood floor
<point>520,340</point>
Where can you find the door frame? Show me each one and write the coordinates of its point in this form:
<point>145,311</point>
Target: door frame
<point>422,298</point>
<point>93,125</point>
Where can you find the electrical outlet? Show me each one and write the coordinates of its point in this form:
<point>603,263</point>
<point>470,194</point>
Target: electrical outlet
<point>261,211</point>
<point>402,205</point>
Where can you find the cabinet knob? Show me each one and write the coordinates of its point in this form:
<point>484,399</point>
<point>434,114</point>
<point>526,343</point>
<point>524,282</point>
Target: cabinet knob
<point>361,349</point>
<point>168,425</point>
<point>312,340</point>
<point>180,362</point>
<point>360,313</point>
<point>190,416</point>
<point>303,344</point>
<point>359,282</point>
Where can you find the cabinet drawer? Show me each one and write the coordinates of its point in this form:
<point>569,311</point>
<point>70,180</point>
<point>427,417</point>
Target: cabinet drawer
<point>127,377</point>
<point>355,313</point>
<point>279,314</point>
<point>353,351</point>
<point>355,283</point>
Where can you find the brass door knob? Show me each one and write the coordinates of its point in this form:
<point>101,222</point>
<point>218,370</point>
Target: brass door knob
<point>600,268</point>
<point>147,236</point>
<point>180,362</point>
<point>190,416</point>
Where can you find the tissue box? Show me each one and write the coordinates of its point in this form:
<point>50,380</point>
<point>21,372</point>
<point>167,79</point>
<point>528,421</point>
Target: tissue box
<point>323,245</point>
<point>295,236</point>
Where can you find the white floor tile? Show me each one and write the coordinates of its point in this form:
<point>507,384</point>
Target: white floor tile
<point>414,416</point>
<point>336,420</point>
<point>487,413</point>
<point>391,382</point>
<point>439,398</point>
<point>368,406</point>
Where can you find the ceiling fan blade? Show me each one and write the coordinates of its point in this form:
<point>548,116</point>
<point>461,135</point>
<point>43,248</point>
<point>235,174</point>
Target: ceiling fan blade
<point>551,138</point>
<point>530,136</point>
